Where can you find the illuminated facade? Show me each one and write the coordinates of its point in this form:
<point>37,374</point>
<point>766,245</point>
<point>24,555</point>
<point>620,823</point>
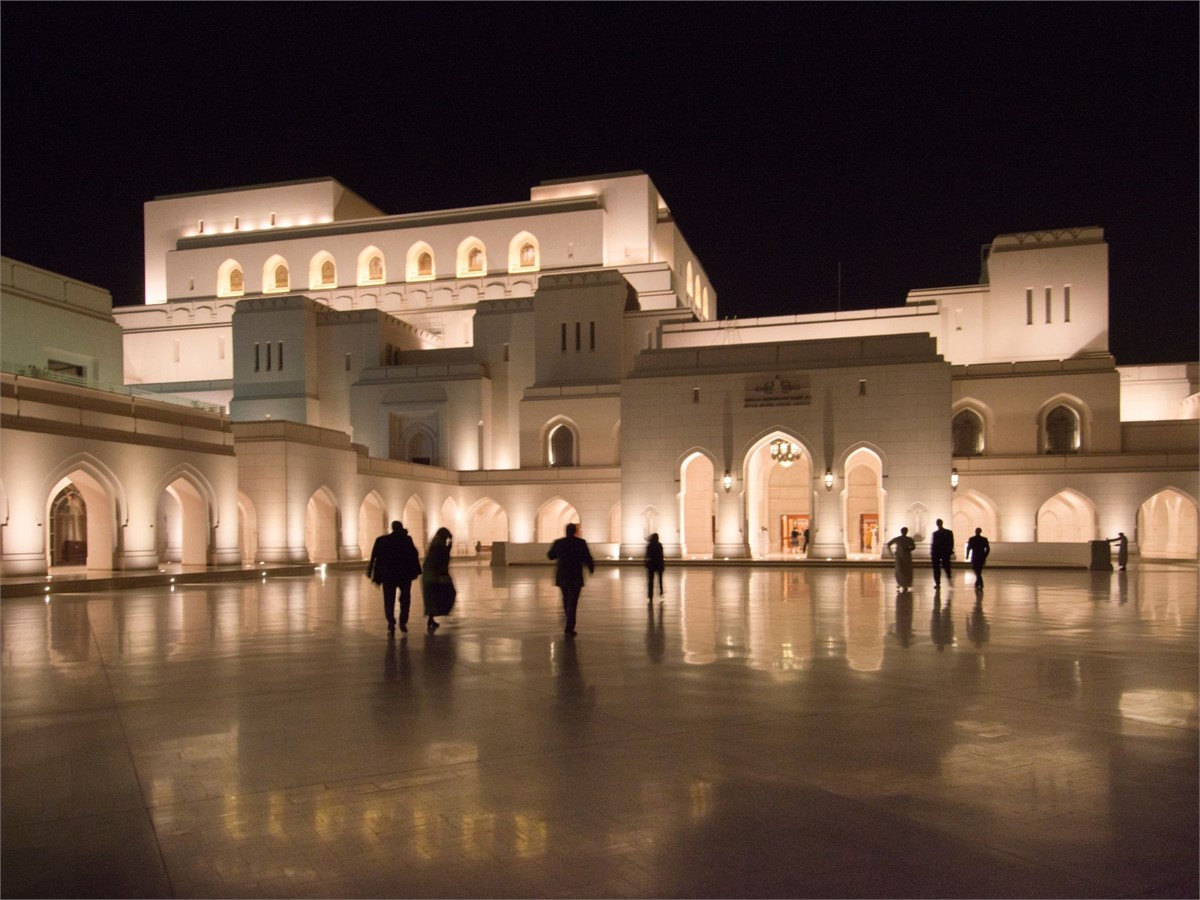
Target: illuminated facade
<point>503,370</point>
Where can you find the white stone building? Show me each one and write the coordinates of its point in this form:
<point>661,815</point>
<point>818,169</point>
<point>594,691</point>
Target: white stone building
<point>503,370</point>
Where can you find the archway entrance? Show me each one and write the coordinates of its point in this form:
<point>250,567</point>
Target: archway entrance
<point>1066,518</point>
<point>697,502</point>
<point>80,514</point>
<point>1167,526</point>
<point>414,522</point>
<point>972,510</point>
<point>553,518</point>
<point>780,497</point>
<point>182,525</point>
<point>488,524</point>
<point>320,528</point>
<point>372,522</point>
<point>863,503</point>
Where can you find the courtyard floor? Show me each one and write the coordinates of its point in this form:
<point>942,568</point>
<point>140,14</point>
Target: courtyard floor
<point>763,731</point>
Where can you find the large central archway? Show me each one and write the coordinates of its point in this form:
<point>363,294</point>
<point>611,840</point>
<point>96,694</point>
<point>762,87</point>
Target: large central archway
<point>779,496</point>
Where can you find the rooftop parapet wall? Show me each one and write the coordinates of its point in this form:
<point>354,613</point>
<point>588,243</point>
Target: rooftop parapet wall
<point>49,287</point>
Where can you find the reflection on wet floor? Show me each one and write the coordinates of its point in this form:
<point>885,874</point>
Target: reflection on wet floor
<point>762,731</point>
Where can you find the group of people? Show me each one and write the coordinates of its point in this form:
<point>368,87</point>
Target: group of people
<point>394,565</point>
<point>941,551</point>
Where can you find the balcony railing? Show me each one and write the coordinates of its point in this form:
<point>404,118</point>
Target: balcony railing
<point>123,389</point>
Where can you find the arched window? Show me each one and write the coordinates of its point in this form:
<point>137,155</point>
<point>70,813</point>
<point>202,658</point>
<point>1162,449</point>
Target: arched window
<point>562,447</point>
<point>472,258</point>
<point>420,449</point>
<point>230,280</point>
<point>371,266</point>
<point>523,255</point>
<point>967,430</point>
<point>275,275</point>
<point>425,264</point>
<point>328,272</point>
<point>419,264</point>
<point>281,277</point>
<point>1062,430</point>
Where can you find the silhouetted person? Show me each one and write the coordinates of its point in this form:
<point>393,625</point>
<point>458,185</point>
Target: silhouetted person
<point>1122,543</point>
<point>941,549</point>
<point>795,541</point>
<point>978,550</point>
<point>572,554</point>
<point>394,564</point>
<point>902,547</point>
<point>806,542</point>
<point>437,573</point>
<point>654,565</point>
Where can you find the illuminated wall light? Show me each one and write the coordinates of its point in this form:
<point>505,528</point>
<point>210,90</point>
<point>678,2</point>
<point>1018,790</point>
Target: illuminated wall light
<point>954,479</point>
<point>727,482</point>
<point>829,479</point>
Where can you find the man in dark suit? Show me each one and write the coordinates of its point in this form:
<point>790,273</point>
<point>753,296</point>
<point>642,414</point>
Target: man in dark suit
<point>940,551</point>
<point>572,554</point>
<point>394,564</point>
<point>978,549</point>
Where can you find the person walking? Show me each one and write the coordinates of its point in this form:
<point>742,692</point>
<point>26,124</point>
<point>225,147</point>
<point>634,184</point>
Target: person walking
<point>902,547</point>
<point>435,579</point>
<point>394,564</point>
<point>571,554</point>
<point>941,550</point>
<point>654,565</point>
<point>978,549</point>
<point>1122,543</point>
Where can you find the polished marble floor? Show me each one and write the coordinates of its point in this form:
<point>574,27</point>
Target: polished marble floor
<point>762,732</point>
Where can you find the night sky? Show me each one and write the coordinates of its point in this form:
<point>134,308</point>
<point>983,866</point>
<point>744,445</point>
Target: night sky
<point>787,138</point>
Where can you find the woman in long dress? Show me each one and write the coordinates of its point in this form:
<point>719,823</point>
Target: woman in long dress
<point>437,571</point>
<point>902,547</point>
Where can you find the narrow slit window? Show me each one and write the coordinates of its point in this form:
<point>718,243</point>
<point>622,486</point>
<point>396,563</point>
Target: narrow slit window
<point>564,337</point>
<point>280,360</point>
<point>592,335</point>
<point>1048,295</point>
<point>695,395</point>
<point>1029,306</point>
<point>237,222</point>
<point>506,352</point>
<point>862,387</point>
<point>1067,303</point>
<point>347,362</point>
<point>578,336</point>
<point>268,356</point>
<point>256,358</point>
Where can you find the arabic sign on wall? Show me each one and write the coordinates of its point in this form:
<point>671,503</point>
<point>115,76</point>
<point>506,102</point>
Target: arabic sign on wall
<point>794,390</point>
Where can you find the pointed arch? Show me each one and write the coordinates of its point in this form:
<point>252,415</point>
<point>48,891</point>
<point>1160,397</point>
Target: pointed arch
<point>372,522</point>
<point>553,516</point>
<point>970,424</point>
<point>247,529</point>
<point>231,280</point>
<point>697,504</point>
<point>1167,525</point>
<point>321,526</point>
<point>471,258</point>
<point>971,510</point>
<point>862,501</point>
<point>487,524</point>
<point>184,516</point>
<point>322,271</point>
<point>1063,425</point>
<point>414,521</point>
<point>778,497</point>
<point>524,254</point>
<point>371,266</point>
<point>1067,517</point>
<point>450,517</point>
<point>560,443</point>
<point>276,277</point>
<point>419,263</point>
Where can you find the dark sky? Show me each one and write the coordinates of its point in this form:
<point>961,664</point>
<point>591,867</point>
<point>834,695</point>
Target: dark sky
<point>894,139</point>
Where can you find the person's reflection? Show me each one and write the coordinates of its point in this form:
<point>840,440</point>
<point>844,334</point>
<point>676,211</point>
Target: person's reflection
<point>397,667</point>
<point>904,618</point>
<point>438,669</point>
<point>941,626</point>
<point>1122,587</point>
<point>575,698</point>
<point>978,628</point>
<point>656,641</point>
